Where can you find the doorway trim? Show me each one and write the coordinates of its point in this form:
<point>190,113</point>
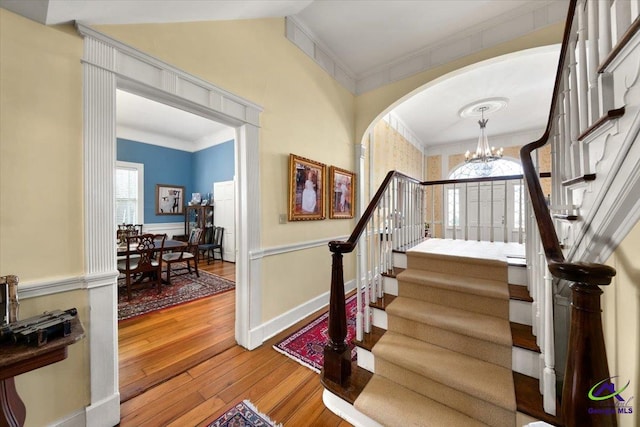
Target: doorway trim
<point>109,65</point>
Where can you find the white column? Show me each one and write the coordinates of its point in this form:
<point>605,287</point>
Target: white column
<point>99,231</point>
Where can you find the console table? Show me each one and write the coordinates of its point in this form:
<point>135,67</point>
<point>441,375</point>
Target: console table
<point>18,359</point>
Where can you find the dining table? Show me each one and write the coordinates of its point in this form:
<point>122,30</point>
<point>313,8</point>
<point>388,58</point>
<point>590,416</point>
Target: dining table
<point>168,245</point>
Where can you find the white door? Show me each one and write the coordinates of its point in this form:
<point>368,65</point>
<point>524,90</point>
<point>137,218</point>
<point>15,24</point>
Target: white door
<point>224,214</point>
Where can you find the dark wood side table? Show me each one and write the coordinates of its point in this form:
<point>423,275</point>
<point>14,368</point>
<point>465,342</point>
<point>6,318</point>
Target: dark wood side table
<point>18,359</point>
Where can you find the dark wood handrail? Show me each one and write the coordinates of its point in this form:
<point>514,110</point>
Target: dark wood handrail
<point>482,179</point>
<point>349,245</point>
<point>586,356</point>
<point>596,274</point>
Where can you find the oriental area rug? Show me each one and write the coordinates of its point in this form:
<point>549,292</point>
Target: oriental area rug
<point>244,414</point>
<point>183,289</point>
<point>306,345</point>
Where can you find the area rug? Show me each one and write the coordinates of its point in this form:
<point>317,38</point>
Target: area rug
<point>306,345</point>
<point>244,414</point>
<point>182,289</point>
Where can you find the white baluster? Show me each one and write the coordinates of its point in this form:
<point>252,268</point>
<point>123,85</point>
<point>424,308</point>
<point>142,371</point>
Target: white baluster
<point>359,282</point>
<point>635,9</point>
<point>466,211</point>
<point>573,111</point>
<point>604,28</point>
<point>453,214</point>
<point>582,69</point>
<point>505,225</point>
<point>549,373</point>
<point>592,28</point>
<point>478,233</point>
<point>491,220</point>
<point>367,287</point>
<point>621,19</point>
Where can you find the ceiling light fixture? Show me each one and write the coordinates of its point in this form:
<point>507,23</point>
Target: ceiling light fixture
<point>484,153</point>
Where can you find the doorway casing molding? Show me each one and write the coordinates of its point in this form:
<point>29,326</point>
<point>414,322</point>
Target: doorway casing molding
<point>109,65</point>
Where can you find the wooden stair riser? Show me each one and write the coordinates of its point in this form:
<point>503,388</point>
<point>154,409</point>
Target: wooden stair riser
<point>464,301</point>
<point>517,275</point>
<point>525,362</point>
<point>390,285</point>
<point>400,260</point>
<point>484,350</point>
<point>365,359</point>
<point>520,312</point>
<point>471,406</point>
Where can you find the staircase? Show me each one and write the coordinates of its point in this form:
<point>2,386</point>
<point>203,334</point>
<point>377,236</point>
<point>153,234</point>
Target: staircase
<point>448,344</point>
<point>449,340</point>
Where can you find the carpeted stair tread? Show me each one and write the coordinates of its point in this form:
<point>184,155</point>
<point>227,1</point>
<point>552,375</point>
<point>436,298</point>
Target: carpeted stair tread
<point>392,405</point>
<point>450,264</point>
<point>458,283</point>
<point>488,328</point>
<point>477,378</point>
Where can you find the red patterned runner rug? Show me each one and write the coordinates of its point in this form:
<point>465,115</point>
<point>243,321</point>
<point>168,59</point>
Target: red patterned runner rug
<point>243,414</point>
<point>306,345</point>
<point>183,289</point>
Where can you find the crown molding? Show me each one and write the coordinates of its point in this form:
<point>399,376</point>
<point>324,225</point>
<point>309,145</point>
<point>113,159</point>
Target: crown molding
<point>147,137</point>
<point>533,16</point>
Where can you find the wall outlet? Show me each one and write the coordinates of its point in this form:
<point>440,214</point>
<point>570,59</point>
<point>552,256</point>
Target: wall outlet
<point>282,218</point>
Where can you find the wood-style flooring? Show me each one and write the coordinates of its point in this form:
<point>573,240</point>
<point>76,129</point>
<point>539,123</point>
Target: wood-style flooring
<point>180,367</point>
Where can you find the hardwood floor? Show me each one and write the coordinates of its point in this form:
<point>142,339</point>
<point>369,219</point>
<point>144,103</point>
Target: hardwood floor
<point>186,359</point>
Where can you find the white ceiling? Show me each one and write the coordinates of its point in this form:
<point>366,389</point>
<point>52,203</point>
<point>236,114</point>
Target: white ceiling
<point>361,36</point>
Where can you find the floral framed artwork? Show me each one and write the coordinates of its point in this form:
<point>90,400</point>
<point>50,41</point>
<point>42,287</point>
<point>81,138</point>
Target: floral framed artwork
<point>342,185</point>
<point>306,189</point>
<point>169,199</point>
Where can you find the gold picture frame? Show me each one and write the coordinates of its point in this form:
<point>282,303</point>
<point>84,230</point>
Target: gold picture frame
<point>169,199</point>
<point>342,192</point>
<point>306,189</point>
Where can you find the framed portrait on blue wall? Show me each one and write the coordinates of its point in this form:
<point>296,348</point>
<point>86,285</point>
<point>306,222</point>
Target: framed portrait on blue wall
<point>169,199</point>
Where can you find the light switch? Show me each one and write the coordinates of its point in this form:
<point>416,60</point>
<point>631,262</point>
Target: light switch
<point>283,218</point>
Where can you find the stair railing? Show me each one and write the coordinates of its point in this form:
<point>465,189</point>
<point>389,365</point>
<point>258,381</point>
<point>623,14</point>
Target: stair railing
<point>453,209</point>
<point>393,220</point>
<point>582,100</point>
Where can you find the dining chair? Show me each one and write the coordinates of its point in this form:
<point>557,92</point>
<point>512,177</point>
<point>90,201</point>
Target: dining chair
<point>143,260</point>
<point>187,254</point>
<point>214,243</point>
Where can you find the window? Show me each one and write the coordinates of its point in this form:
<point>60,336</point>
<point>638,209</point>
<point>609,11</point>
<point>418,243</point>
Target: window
<point>518,204</point>
<point>500,167</point>
<point>453,207</point>
<point>129,193</point>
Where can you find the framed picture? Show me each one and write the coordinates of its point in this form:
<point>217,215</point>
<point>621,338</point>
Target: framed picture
<point>306,189</point>
<point>342,187</point>
<point>169,199</point>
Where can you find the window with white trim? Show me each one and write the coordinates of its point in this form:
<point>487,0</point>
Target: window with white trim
<point>129,190</point>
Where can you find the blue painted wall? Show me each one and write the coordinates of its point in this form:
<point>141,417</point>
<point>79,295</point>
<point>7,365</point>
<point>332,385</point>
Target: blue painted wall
<point>213,164</point>
<point>195,171</point>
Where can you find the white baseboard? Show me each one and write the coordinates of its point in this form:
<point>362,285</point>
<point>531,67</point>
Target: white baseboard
<point>260,334</point>
<point>105,413</point>
<point>346,411</point>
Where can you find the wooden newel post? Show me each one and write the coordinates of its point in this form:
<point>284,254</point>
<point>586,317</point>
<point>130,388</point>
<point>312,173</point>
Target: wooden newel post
<point>337,354</point>
<point>587,364</point>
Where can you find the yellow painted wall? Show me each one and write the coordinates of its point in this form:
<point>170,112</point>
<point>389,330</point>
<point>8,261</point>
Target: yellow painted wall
<point>41,203</point>
<point>621,322</point>
<point>306,112</point>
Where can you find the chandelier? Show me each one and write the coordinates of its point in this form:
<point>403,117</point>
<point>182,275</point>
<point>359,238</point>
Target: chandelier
<point>483,152</point>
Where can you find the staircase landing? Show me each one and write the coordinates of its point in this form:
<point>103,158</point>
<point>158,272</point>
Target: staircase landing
<point>498,251</point>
